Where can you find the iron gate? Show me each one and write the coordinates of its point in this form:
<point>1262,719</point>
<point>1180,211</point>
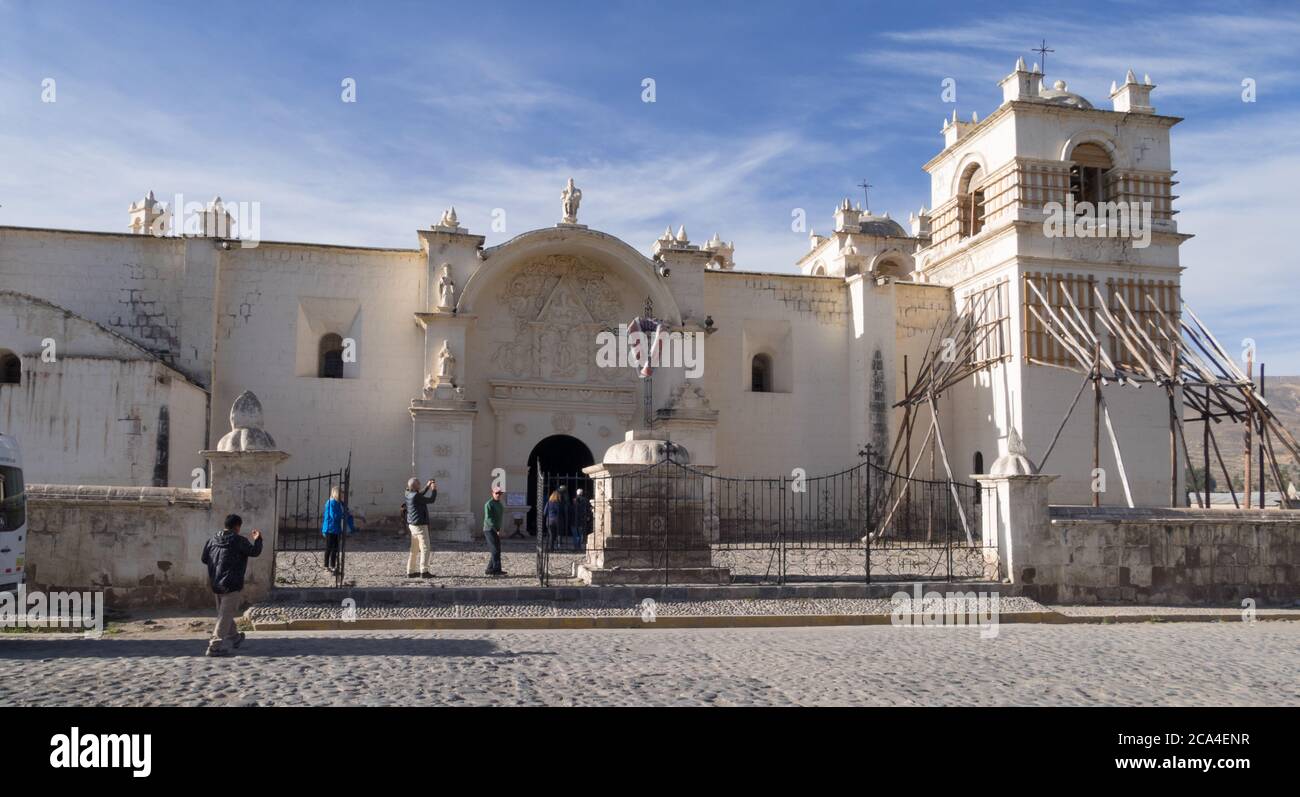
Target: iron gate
<point>559,551</point>
<point>300,507</point>
<point>861,524</point>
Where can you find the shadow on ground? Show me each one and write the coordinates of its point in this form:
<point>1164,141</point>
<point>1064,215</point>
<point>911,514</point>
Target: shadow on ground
<point>256,647</point>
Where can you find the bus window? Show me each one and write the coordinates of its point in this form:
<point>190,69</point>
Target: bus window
<point>13,503</point>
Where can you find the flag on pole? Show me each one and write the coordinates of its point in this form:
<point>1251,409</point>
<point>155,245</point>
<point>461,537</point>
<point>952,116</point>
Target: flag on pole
<point>644,356</point>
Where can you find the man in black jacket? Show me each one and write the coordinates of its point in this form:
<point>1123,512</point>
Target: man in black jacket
<point>417,520</point>
<point>226,556</point>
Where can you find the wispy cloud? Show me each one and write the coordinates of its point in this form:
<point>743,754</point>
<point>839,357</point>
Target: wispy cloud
<point>756,117</point>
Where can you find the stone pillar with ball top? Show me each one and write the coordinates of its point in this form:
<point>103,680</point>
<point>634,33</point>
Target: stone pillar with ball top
<point>649,517</point>
<point>1016,522</point>
<point>244,467</point>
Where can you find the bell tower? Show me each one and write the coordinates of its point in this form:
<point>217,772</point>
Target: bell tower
<point>1077,200</point>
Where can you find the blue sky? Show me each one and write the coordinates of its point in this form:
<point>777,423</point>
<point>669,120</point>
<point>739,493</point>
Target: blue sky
<point>760,108</point>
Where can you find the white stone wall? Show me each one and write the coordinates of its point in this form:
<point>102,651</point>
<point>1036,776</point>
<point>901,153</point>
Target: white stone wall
<point>133,285</point>
<point>319,421</point>
<point>768,434</point>
<point>920,310</point>
<point>90,411</point>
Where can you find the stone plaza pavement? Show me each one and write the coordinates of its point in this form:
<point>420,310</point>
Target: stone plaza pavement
<point>378,559</point>
<point>1141,664</point>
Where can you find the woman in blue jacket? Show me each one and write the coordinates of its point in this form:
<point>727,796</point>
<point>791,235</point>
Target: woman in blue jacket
<point>336,513</point>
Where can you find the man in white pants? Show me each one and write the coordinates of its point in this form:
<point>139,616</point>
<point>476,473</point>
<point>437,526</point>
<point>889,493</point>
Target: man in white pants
<point>417,520</point>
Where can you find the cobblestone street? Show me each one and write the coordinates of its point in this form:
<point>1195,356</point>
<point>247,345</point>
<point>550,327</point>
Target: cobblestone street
<point>1141,664</point>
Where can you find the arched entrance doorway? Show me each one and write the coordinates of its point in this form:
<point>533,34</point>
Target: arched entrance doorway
<point>561,459</point>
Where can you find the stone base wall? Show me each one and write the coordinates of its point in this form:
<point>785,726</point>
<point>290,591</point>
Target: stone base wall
<point>1164,556</point>
<point>140,545</point>
<point>453,527</point>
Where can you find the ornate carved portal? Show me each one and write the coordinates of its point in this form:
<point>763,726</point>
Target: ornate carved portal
<point>557,306</point>
<point>541,344</point>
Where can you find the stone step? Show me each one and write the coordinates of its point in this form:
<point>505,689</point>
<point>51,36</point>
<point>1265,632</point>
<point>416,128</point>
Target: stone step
<point>624,594</point>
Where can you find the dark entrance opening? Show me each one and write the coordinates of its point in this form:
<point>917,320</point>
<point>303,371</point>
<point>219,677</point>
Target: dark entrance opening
<point>562,459</point>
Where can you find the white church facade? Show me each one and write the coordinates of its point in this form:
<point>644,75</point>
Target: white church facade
<point>454,360</point>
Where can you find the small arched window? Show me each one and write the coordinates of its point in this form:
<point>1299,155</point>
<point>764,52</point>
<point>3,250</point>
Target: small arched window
<point>331,357</point>
<point>761,374</point>
<point>979,468</point>
<point>1088,174</point>
<point>971,201</point>
<point>11,368</point>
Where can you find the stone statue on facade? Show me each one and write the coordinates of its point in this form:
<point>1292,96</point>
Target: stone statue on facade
<point>446,289</point>
<point>446,365</point>
<point>571,197</point>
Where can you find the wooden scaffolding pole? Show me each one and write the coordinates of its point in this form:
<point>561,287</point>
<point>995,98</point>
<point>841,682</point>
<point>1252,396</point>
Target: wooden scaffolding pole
<point>907,423</point>
<point>1262,480</point>
<point>1175,417</point>
<point>884,524</point>
<point>1082,386</point>
<point>1250,423</point>
<point>1119,460</point>
<point>1096,421</point>
<point>1205,449</point>
<point>1223,467</point>
<point>938,437</point>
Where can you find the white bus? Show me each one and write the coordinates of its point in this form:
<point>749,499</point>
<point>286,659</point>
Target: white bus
<point>13,516</point>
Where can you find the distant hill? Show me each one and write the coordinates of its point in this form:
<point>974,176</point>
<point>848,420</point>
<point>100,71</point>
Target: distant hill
<point>1283,396</point>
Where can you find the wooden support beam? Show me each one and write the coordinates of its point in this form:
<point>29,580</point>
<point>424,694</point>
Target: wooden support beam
<point>1082,385</point>
<point>1205,450</point>
<point>1119,460</point>
<point>1250,423</point>
<point>1219,456</point>
<point>938,436</point>
<point>1096,426</point>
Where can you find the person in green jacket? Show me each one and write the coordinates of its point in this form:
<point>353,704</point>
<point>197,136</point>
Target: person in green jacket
<point>492,514</point>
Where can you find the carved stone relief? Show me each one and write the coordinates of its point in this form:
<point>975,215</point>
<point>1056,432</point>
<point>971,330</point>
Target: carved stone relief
<point>557,305</point>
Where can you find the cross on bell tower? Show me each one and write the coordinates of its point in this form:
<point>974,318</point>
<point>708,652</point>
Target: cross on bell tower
<point>1042,51</point>
<point>866,202</point>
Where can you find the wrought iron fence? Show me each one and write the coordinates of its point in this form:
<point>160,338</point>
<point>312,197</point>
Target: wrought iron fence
<point>300,507</point>
<point>677,522</point>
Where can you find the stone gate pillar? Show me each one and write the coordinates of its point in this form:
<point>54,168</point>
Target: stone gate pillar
<point>1016,520</point>
<point>244,468</point>
<point>443,449</point>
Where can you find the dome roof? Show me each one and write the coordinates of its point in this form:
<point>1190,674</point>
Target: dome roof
<point>1059,95</point>
<point>640,447</point>
<point>881,226</point>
